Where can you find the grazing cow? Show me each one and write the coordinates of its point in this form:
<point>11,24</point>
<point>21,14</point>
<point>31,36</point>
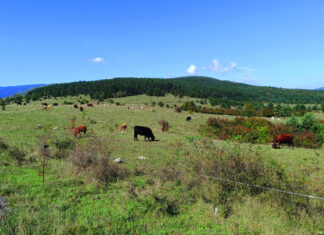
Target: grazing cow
<point>55,104</point>
<point>44,108</point>
<point>123,127</point>
<point>89,105</point>
<point>142,130</point>
<point>80,129</point>
<point>188,119</point>
<point>81,108</point>
<point>76,106</point>
<point>49,106</point>
<point>281,139</point>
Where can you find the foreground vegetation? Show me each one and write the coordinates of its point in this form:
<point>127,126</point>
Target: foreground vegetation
<point>168,192</point>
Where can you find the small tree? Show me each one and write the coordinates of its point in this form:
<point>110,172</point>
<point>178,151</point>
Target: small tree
<point>309,123</point>
<point>3,104</point>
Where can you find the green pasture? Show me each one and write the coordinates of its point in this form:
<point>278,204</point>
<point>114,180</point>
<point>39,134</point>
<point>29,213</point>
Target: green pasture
<point>73,203</point>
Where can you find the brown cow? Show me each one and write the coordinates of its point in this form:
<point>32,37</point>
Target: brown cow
<point>89,105</point>
<point>80,129</point>
<point>55,104</point>
<point>283,139</point>
<point>123,127</point>
<point>44,108</point>
<point>81,108</point>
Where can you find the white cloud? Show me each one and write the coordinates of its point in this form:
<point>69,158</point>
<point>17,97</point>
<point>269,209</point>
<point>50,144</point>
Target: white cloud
<point>98,60</point>
<point>216,66</point>
<point>192,70</point>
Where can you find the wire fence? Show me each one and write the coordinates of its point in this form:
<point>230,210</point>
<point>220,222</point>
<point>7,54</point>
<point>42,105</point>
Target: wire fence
<point>262,187</point>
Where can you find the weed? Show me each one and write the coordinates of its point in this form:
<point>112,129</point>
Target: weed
<point>164,125</point>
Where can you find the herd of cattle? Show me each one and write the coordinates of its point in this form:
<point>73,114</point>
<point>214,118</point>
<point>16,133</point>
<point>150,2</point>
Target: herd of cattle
<point>148,134</point>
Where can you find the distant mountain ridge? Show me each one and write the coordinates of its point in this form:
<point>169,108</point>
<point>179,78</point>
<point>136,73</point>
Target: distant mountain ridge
<point>6,91</point>
<point>322,88</point>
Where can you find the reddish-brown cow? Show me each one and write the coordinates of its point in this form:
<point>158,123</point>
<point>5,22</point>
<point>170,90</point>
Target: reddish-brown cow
<point>81,108</point>
<point>89,105</point>
<point>80,129</point>
<point>283,139</point>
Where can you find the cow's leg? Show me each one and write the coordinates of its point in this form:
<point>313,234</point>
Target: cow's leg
<point>135,137</point>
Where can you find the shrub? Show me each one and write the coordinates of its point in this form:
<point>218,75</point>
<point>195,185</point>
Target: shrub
<point>67,102</point>
<point>93,121</point>
<point>309,123</point>
<point>305,139</point>
<point>3,145</point>
<point>258,130</point>
<point>65,144</point>
<point>161,104</point>
<point>94,158</point>
<point>17,154</point>
<point>117,103</point>
<point>177,109</point>
<point>236,163</point>
<point>164,125</point>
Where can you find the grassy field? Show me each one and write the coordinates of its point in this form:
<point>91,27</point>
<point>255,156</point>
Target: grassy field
<point>160,194</point>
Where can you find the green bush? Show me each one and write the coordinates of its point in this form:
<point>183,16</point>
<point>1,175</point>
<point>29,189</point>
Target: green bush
<point>67,102</point>
<point>161,104</point>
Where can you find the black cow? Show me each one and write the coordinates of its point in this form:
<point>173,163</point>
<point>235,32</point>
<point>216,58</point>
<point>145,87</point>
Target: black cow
<point>143,130</point>
<point>76,106</point>
<point>188,119</point>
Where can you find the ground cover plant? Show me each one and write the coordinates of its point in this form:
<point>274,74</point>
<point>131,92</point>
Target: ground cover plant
<point>172,190</point>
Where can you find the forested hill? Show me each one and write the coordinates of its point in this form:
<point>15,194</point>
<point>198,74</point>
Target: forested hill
<point>200,87</point>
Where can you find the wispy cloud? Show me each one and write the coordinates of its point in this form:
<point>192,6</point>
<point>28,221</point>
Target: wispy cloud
<point>191,70</point>
<point>217,67</point>
<point>98,60</point>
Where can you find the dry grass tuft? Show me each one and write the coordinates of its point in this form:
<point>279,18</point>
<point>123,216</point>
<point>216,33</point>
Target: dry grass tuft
<point>94,158</point>
<point>164,125</point>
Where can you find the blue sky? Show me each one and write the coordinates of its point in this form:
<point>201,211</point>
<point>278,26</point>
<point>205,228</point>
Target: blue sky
<point>271,43</point>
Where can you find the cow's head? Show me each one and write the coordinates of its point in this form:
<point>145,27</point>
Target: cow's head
<point>274,145</point>
<point>152,137</point>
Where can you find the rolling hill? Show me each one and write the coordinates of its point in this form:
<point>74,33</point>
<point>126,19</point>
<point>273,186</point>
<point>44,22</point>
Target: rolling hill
<point>196,86</point>
<point>12,90</point>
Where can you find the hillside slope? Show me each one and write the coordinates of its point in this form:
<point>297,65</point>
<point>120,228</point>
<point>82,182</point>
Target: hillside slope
<point>199,87</point>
